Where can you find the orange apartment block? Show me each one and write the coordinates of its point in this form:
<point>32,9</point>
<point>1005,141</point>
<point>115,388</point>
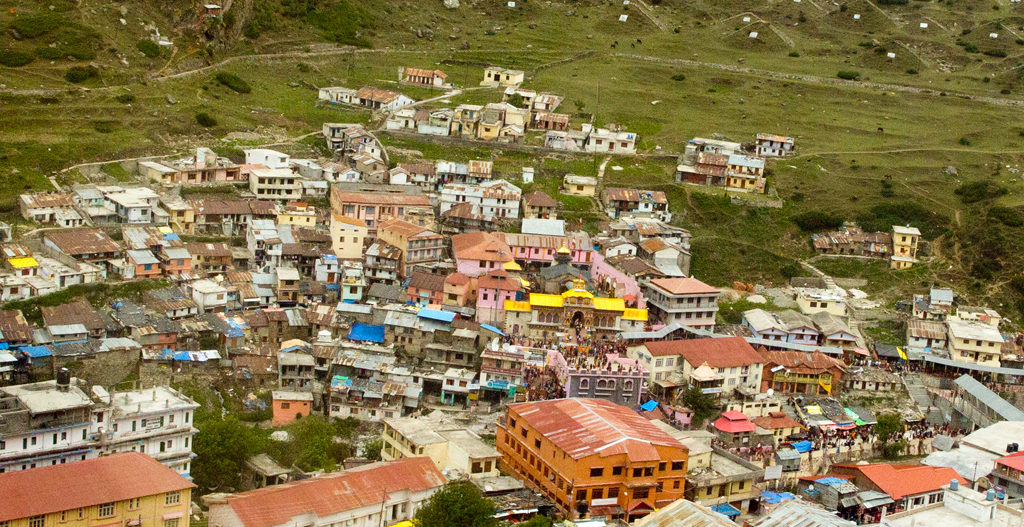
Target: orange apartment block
<point>592,457</point>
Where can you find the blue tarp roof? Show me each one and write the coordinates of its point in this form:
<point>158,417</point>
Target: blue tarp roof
<point>182,356</point>
<point>831,481</point>
<point>649,405</point>
<point>770,497</point>
<point>726,509</point>
<point>491,328</point>
<point>37,351</point>
<point>434,314</point>
<point>801,446</point>
<point>367,332</point>
<point>170,236</point>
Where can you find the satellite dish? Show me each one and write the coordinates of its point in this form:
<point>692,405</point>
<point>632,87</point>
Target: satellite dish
<point>770,392</point>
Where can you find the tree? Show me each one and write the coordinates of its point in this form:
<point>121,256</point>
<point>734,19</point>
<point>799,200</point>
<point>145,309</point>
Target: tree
<point>536,521</point>
<point>702,404</point>
<point>371,448</point>
<point>458,504</point>
<point>313,445</point>
<point>221,448</point>
<point>889,430</point>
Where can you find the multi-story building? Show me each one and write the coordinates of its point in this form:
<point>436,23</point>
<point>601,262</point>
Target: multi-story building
<point>745,173</point>
<point>592,457</point>
<point>910,486</point>
<point>447,444</point>
<point>904,246</point>
<point>382,263</point>
<point>275,183</point>
<point>547,316</point>
<point>57,208</point>
<point>501,368</point>
<point>617,379</point>
<point>205,167</point>
<point>298,213</point>
<point>122,489</point>
<point>539,205</point>
<point>55,422</point>
<point>687,301</point>
<point>376,207</point>
<point>494,200</point>
<point>348,236</point>
<point>417,244</point>
<point>974,342</point>
<point>770,145</point>
<point>732,360</point>
<point>1009,474</point>
<point>800,372</point>
<point>633,202</point>
<point>385,493</point>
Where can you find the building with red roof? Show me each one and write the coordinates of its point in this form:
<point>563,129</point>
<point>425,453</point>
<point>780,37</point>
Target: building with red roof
<point>800,372</point>
<point>910,486</point>
<point>779,424</point>
<point>734,428</point>
<point>376,494</point>
<point>1009,474</point>
<point>120,489</point>
<point>671,362</point>
<point>685,300</point>
<point>593,457</point>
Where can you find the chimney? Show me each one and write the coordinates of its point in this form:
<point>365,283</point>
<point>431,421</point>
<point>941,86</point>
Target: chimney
<point>63,379</point>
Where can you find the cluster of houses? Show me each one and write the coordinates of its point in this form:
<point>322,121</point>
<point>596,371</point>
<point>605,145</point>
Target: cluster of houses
<point>738,167</point>
<point>900,246</point>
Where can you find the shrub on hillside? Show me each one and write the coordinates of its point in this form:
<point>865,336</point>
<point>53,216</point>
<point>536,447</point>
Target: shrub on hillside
<point>77,74</point>
<point>148,48</point>
<point>14,58</point>
<point>233,82</point>
<point>206,120</point>
<point>1007,216</point>
<point>848,75</point>
<point>976,191</point>
<point>32,26</point>
<point>679,77</point>
<point>125,98</point>
<point>817,220</point>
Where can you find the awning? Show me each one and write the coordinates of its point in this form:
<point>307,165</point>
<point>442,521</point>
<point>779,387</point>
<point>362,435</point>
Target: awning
<point>861,351</point>
<point>726,509</point>
<point>492,329</point>
<point>173,515</point>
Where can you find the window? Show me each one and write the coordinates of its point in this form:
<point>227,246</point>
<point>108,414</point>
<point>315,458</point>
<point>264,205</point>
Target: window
<point>36,521</point>
<point>523,432</point>
<point>641,493</point>
<point>661,466</point>
<point>173,522</point>
<point>285,406</point>
<point>172,498</point>
<point>63,516</point>
<point>133,504</point>
<point>536,443</point>
<point>617,471</point>
<point>596,472</point>
<point>637,472</point>
<point>596,494</point>
<point>677,465</point>
<point>581,495</point>
<point>106,510</point>
<point>675,485</point>
<point>648,471</point>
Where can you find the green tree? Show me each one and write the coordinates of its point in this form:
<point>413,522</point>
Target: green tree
<point>221,448</point>
<point>313,445</point>
<point>372,447</point>
<point>890,433</point>
<point>702,404</point>
<point>536,521</point>
<point>457,504</point>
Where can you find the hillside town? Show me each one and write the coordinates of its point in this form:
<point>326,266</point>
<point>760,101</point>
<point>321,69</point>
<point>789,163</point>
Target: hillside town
<point>451,329</point>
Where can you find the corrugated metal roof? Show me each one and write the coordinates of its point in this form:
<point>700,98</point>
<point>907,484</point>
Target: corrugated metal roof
<point>989,398</point>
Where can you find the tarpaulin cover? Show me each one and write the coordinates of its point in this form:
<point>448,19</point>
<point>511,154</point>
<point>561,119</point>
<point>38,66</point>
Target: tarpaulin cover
<point>801,446</point>
<point>726,509</point>
<point>367,333</point>
<point>770,497</point>
<point>493,329</point>
<point>182,356</point>
<point>649,405</point>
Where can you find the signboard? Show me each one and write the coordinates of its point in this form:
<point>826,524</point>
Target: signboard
<point>498,385</point>
<point>773,472</point>
<point>716,389</point>
<point>604,502</point>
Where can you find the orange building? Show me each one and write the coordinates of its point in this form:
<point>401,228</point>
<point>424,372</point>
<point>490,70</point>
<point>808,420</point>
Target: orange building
<point>289,406</point>
<point>592,457</point>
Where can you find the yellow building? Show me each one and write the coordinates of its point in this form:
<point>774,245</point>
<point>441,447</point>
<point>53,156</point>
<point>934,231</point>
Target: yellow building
<point>975,342</point>
<point>300,214</point>
<point>579,185</point>
<point>129,489</point>
<point>546,316</point>
<point>445,442</point>
<point>347,237</point>
<point>904,246</point>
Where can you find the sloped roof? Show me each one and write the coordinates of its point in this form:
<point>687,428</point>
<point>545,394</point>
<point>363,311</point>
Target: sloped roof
<point>428,281</point>
<point>584,427</point>
<point>989,398</point>
<point>899,481</point>
<point>734,422</point>
<point>775,420</point>
<point>723,352</point>
<point>539,199</point>
<point>481,245</point>
<point>85,484</point>
<point>333,493</point>
<point>77,312</point>
<point>82,241</point>
<point>684,286</point>
<point>801,361</point>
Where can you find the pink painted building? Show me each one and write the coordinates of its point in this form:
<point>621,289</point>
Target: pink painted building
<point>539,250</point>
<point>493,290</point>
<point>625,285</point>
<point>478,253</point>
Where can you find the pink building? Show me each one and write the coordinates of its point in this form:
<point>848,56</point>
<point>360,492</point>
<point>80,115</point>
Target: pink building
<point>538,250</point>
<point>625,285</point>
<point>175,260</point>
<point>493,290</point>
<point>477,253</point>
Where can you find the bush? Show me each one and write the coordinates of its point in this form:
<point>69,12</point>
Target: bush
<point>233,82</point>
<point>790,270</point>
<point>251,31</point>
<point>104,127</point>
<point>964,141</point>
<point>679,77</point>
<point>1000,53</point>
<point>911,71</point>
<point>205,120</point>
<point>148,48</point>
<point>344,22</point>
<point>14,58</point>
<point>303,67</point>
<point>32,26</point>
<point>1007,216</point>
<point>816,220</point>
<point>976,191</point>
<point>848,75</point>
<point>794,54</point>
<point>125,98</point>
<point>77,74</point>
<point>48,53</point>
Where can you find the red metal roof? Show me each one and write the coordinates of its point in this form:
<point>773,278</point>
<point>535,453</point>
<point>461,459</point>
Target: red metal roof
<point>734,422</point>
<point>334,493</point>
<point>775,420</point>
<point>85,484</point>
<point>724,352</point>
<point>584,427</point>
<point>684,286</point>
<point>1014,461</point>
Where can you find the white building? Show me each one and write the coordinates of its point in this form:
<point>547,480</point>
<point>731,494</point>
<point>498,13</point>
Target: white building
<point>769,145</point>
<point>47,423</point>
<point>275,183</point>
<point>607,141</point>
<point>496,199</point>
<point>209,295</point>
<point>337,94</point>
<point>372,495</point>
<point>447,444</point>
<point>267,158</point>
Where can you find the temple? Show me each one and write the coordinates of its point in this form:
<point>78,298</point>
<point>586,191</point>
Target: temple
<point>574,313</point>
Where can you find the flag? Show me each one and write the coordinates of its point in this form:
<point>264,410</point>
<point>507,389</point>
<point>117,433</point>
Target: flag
<point>902,354</point>
<point>826,385</point>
